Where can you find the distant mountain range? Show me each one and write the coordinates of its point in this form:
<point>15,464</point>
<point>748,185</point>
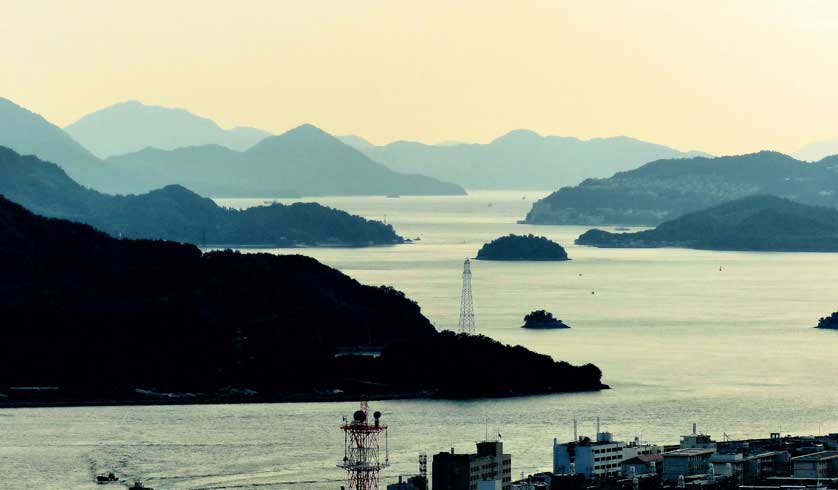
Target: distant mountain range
<point>665,189</point>
<point>754,223</point>
<point>30,134</point>
<point>175,213</point>
<point>818,151</point>
<point>303,161</point>
<point>132,126</point>
<point>520,159</point>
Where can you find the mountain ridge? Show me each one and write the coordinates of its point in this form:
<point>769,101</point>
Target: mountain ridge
<point>304,160</point>
<point>521,159</point>
<point>665,189</point>
<point>176,213</point>
<point>29,133</point>
<point>131,125</point>
<point>214,169</point>
<point>753,223</point>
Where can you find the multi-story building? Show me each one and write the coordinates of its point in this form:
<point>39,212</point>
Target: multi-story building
<point>489,469</point>
<point>686,462</point>
<point>599,459</point>
<point>816,465</point>
<point>747,467</point>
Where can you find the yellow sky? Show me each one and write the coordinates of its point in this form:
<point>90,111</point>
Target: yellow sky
<point>721,76</point>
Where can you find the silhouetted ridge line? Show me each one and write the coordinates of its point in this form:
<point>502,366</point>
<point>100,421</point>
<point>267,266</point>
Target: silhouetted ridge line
<point>101,318</point>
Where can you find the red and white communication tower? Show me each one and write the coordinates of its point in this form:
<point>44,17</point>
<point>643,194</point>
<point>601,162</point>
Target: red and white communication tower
<point>361,458</point>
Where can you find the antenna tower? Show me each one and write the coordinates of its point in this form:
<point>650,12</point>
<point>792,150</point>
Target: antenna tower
<point>361,450</point>
<point>423,466</point>
<point>466,302</point>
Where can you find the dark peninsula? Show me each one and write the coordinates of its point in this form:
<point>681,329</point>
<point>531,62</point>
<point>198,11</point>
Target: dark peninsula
<point>830,322</point>
<point>756,223</point>
<point>542,319</point>
<point>94,319</point>
<point>178,214</point>
<point>522,247</point>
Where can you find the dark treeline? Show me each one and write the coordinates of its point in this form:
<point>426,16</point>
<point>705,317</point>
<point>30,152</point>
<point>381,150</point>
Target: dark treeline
<point>99,317</point>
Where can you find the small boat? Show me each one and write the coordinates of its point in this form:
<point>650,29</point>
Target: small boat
<point>109,478</point>
<point>393,196</point>
<point>138,485</point>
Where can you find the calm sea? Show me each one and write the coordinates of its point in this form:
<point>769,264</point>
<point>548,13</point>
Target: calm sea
<point>724,339</point>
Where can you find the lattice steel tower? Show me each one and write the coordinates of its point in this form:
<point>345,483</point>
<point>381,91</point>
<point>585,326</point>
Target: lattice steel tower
<point>361,451</point>
<point>466,302</point>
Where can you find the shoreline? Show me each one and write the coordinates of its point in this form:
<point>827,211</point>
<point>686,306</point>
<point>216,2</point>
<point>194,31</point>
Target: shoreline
<point>277,399</point>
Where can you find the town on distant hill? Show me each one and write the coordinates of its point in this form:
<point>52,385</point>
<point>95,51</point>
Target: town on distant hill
<point>754,223</point>
<point>665,189</point>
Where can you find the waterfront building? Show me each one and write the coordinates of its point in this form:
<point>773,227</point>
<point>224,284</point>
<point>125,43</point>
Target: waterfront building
<point>816,465</point>
<point>488,469</point>
<point>746,468</point>
<point>598,459</point>
<point>686,462</point>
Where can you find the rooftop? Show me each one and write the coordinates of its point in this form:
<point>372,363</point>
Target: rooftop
<point>817,456</point>
<point>644,459</point>
<point>688,452</point>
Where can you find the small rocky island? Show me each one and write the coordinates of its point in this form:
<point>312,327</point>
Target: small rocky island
<point>830,322</point>
<point>543,319</point>
<point>522,247</point>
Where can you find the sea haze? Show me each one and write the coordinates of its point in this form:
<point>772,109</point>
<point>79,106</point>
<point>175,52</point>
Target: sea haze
<point>678,340</point>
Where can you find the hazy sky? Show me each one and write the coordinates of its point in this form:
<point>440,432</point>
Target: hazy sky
<point>721,76</point>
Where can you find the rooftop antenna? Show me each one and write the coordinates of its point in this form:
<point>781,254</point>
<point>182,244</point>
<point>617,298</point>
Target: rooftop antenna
<point>361,450</point>
<point>597,426</point>
<point>423,466</point>
<point>575,435</point>
<point>694,428</point>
